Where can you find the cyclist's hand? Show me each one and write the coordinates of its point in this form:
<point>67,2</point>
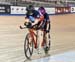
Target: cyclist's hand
<point>21,27</point>
<point>47,31</point>
<point>27,24</point>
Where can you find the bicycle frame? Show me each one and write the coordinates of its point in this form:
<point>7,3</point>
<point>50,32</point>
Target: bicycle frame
<point>32,36</point>
<point>35,41</point>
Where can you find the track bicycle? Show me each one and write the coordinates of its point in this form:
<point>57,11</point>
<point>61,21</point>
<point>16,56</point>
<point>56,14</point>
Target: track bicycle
<point>30,43</point>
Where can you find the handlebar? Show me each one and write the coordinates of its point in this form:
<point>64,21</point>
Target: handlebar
<point>22,27</point>
<point>28,25</point>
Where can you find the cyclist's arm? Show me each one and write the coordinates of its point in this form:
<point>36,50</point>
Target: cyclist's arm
<point>47,21</point>
<point>41,18</point>
<point>23,26</point>
<point>27,18</point>
<point>48,26</point>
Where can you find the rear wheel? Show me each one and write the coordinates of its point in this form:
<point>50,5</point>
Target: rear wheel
<point>28,46</point>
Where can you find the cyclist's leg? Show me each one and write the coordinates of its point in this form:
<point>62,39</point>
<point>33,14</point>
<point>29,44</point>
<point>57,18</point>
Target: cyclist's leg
<point>47,30</point>
<point>39,40</point>
<point>48,33</point>
<point>47,42</point>
<point>40,37</point>
<point>48,39</point>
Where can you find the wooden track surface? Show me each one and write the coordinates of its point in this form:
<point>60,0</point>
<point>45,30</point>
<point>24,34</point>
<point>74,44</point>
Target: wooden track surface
<point>12,38</point>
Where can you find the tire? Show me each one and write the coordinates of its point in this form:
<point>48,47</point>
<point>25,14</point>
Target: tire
<point>28,46</point>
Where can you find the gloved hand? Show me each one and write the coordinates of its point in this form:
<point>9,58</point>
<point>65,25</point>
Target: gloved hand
<point>47,31</point>
<point>27,24</point>
<point>21,27</point>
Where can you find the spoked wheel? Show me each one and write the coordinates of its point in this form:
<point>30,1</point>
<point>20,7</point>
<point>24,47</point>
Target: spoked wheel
<point>28,46</point>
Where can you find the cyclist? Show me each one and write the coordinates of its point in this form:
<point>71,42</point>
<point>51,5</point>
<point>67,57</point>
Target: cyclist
<point>36,17</point>
<point>33,15</point>
<point>46,20</point>
<point>45,25</point>
<point>41,18</point>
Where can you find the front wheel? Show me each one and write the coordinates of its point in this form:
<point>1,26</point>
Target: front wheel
<point>28,46</point>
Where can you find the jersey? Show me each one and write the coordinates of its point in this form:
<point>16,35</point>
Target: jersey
<point>33,15</point>
<point>46,17</point>
<point>44,24</point>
